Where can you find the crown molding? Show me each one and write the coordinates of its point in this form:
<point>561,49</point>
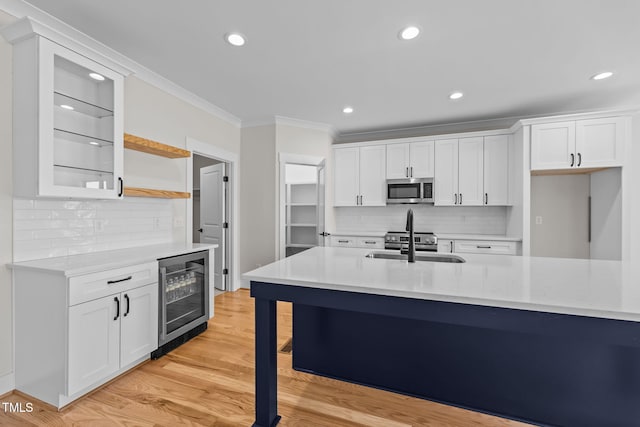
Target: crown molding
<point>288,121</point>
<point>592,114</point>
<point>88,46</point>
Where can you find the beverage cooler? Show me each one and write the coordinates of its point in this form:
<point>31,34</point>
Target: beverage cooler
<point>183,299</point>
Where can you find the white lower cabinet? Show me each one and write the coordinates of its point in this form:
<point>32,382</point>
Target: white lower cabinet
<point>75,333</point>
<point>357,242</point>
<point>485,247</point>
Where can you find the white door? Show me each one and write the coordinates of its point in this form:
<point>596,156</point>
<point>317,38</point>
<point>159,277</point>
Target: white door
<point>600,142</point>
<point>422,159</point>
<point>471,171</point>
<point>320,188</point>
<point>496,170</point>
<point>372,176</point>
<point>446,173</point>
<point>553,146</point>
<point>139,324</point>
<point>397,161</point>
<point>346,176</point>
<point>94,341</point>
<point>212,207</point>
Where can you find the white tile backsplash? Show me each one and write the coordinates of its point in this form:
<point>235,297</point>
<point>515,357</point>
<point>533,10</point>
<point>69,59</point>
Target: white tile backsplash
<point>50,228</point>
<point>437,219</point>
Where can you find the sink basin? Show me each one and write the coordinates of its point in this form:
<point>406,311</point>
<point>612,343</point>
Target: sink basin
<point>432,257</point>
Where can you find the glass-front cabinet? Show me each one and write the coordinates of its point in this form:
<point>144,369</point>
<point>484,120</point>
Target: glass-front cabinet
<point>68,122</point>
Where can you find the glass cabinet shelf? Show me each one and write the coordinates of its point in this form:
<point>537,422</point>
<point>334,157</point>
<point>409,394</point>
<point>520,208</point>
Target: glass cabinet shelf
<point>80,138</point>
<point>72,105</point>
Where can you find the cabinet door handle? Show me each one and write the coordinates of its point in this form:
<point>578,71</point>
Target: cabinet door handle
<point>572,159</point>
<point>483,247</point>
<point>579,159</point>
<point>126,297</point>
<point>117,308</point>
<point>486,198</point>
<point>460,198</point>
<point>121,187</point>
<point>456,198</point>
<point>361,200</point>
<point>111,282</point>
<point>411,172</point>
<point>406,172</point>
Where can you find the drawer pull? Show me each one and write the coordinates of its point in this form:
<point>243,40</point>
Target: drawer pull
<point>111,282</point>
<point>343,241</point>
<point>128,304</point>
<point>369,242</point>
<point>483,247</point>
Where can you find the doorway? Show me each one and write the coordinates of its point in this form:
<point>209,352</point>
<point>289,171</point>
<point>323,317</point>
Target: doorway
<point>302,203</point>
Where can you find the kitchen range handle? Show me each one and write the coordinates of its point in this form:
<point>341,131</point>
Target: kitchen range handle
<point>121,186</point>
<point>579,159</point>
<point>126,297</point>
<point>573,158</point>
<point>111,282</point>
<point>117,308</point>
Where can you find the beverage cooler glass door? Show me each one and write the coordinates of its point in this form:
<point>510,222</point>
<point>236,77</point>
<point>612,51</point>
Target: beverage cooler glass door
<point>184,294</point>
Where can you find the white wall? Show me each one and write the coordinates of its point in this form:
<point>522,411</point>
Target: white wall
<point>562,201</point>
<point>6,322</point>
<point>300,174</point>
<point>606,214</point>
<point>257,201</point>
<point>631,192</point>
<point>427,218</point>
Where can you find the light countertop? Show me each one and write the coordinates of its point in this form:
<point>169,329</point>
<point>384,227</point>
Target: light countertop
<point>445,236</point>
<point>596,288</point>
<point>359,233</point>
<point>75,265</point>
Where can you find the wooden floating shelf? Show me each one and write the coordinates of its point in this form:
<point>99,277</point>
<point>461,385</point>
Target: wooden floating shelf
<point>159,194</point>
<point>148,146</point>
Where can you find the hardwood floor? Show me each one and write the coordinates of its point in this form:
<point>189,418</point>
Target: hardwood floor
<point>209,382</point>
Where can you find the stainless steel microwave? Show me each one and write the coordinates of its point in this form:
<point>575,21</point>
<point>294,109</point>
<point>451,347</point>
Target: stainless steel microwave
<point>410,190</point>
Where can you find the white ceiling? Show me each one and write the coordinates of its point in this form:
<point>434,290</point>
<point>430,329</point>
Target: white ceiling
<point>308,59</point>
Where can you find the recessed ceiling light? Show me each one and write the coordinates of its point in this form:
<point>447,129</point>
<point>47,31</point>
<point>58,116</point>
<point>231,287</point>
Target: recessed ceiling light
<point>96,76</point>
<point>66,107</point>
<point>409,33</point>
<point>456,95</point>
<point>604,75</point>
<point>235,39</point>
<point>347,110</point>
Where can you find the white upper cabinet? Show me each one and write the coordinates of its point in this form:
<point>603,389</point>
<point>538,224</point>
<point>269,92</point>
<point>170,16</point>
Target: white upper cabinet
<point>496,170</point>
<point>471,171</point>
<point>410,160</point>
<point>359,176</point>
<point>446,173</point>
<point>578,144</point>
<point>67,120</point>
<point>459,172</point>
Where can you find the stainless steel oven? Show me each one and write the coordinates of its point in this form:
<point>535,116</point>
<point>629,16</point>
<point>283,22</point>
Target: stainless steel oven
<point>183,300</point>
<point>410,190</point>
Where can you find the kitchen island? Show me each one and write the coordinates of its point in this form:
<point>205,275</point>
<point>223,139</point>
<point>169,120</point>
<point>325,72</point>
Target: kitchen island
<point>541,340</point>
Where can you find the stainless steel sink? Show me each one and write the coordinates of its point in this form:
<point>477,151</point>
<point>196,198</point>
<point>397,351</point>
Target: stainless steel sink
<point>432,257</point>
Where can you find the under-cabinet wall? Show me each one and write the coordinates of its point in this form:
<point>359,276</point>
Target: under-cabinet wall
<point>48,228</point>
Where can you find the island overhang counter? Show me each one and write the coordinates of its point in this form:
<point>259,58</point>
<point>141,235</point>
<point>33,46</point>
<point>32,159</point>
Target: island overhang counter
<point>541,340</point>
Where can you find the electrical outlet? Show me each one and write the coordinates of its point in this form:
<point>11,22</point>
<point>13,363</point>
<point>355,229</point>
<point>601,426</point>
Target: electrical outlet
<point>178,221</point>
<point>538,220</point>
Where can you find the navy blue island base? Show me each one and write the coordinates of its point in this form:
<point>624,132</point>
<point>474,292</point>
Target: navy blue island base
<point>542,368</point>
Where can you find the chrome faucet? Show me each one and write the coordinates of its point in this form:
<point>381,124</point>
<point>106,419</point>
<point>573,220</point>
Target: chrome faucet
<point>411,251</point>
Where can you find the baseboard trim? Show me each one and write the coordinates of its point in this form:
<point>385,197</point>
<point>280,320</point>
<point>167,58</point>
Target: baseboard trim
<point>7,384</point>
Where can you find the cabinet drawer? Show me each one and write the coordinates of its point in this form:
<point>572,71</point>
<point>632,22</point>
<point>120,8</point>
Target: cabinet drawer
<point>370,242</point>
<point>97,285</point>
<point>485,247</point>
<point>347,242</point>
